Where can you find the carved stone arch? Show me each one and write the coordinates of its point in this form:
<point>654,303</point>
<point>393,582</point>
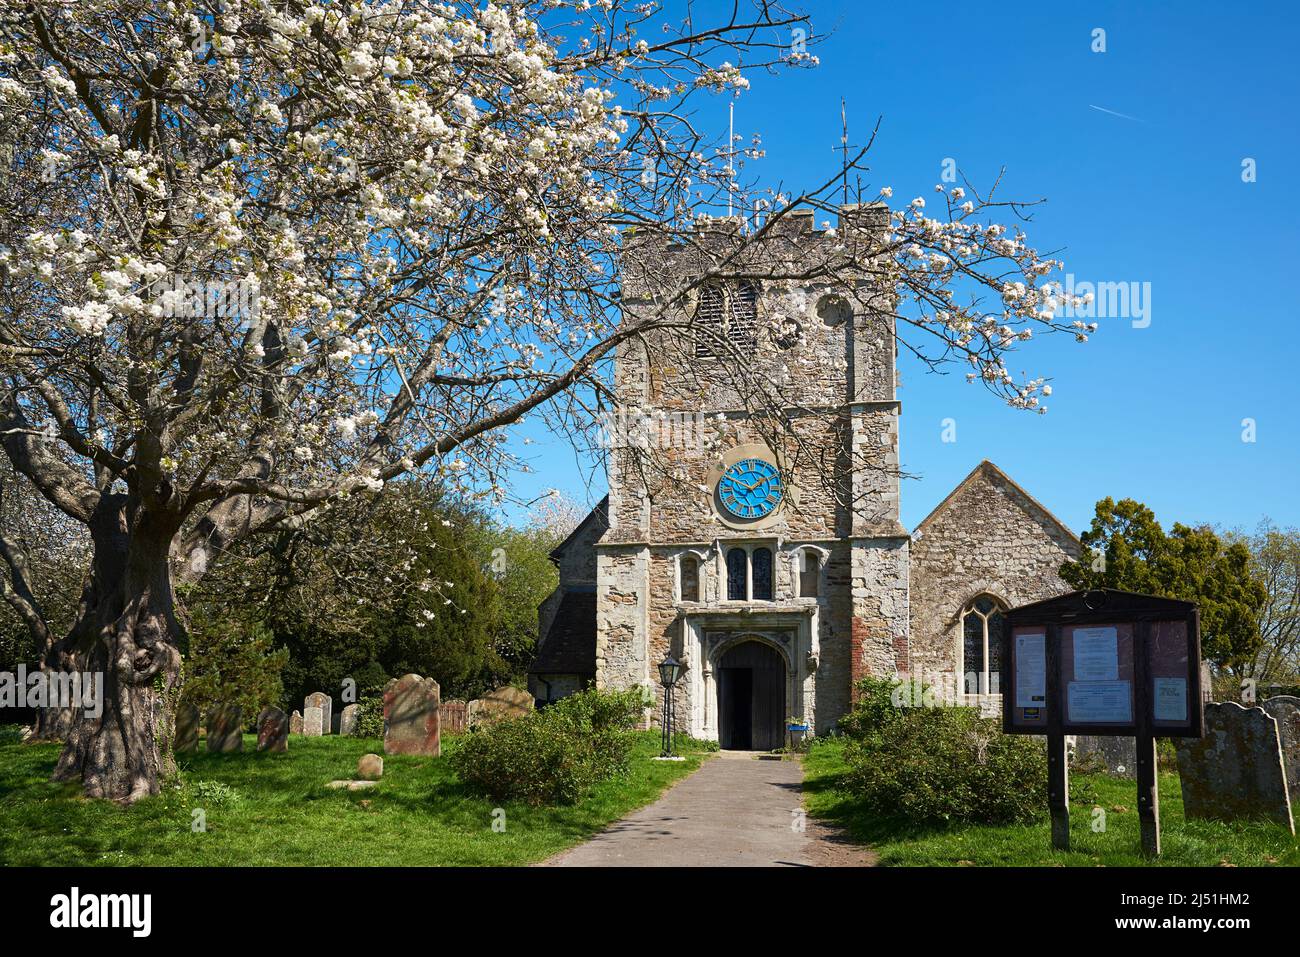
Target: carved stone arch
<point>720,648</point>
<point>996,590</point>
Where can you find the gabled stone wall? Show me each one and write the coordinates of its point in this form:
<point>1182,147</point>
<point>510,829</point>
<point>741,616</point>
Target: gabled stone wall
<point>988,536</point>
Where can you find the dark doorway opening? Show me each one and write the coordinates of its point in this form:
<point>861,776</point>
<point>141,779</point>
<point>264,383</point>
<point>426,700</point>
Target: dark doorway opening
<point>751,698</point>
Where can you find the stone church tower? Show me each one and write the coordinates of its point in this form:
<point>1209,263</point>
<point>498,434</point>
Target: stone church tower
<point>754,537</point>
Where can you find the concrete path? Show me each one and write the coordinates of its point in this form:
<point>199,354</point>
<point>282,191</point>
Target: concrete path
<point>735,811</point>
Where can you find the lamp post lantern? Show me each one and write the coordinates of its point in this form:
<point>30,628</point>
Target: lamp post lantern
<point>670,669</point>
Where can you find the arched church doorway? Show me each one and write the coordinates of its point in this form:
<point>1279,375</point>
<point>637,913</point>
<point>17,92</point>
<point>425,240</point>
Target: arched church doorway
<point>751,697</point>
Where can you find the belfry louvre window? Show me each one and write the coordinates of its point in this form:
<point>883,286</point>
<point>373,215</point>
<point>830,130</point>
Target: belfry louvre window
<point>743,328</point>
<point>725,317</point>
<point>709,324</point>
<point>981,624</point>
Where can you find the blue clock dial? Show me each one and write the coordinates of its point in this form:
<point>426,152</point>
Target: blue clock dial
<point>750,489</point>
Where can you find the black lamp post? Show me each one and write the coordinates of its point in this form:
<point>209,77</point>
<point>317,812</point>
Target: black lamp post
<point>670,669</point>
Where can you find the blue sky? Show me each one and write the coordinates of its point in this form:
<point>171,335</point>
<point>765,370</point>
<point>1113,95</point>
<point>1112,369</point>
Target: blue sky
<point>1151,413</point>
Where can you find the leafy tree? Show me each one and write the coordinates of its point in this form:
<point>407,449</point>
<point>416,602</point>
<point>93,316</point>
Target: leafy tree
<point>1275,559</point>
<point>1127,549</point>
<point>232,661</point>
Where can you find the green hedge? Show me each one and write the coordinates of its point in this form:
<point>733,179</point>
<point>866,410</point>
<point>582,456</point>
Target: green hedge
<point>554,755</point>
<point>932,765</point>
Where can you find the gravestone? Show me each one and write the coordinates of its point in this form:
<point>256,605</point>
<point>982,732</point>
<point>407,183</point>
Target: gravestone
<point>502,703</point>
<point>411,716</point>
<point>451,716</point>
<point>348,720</point>
<point>1117,754</point>
<point>370,767</point>
<point>295,723</point>
<point>272,730</point>
<point>312,719</point>
<point>225,729</point>
<point>1235,771</point>
<point>1285,709</point>
<point>319,699</point>
<point>187,730</point>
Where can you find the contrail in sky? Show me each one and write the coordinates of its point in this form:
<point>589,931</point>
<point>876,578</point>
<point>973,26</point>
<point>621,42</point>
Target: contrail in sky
<point>1125,116</point>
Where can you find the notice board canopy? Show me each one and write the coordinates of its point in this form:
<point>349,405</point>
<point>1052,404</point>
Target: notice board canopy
<point>1102,662</point>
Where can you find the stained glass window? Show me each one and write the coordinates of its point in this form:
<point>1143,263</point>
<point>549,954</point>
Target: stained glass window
<point>762,574</point>
<point>737,574</point>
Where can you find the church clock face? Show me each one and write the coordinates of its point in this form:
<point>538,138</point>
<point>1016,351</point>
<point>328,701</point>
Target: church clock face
<point>750,489</point>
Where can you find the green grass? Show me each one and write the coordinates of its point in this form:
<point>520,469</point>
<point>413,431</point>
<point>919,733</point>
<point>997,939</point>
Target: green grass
<point>419,814</point>
<point>1186,843</point>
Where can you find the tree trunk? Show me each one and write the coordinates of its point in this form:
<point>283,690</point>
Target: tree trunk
<point>130,635</point>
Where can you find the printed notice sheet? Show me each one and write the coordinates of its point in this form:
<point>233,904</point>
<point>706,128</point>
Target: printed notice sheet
<point>1170,699</point>
<point>1100,702</point>
<point>1096,654</point>
<point>1031,671</point>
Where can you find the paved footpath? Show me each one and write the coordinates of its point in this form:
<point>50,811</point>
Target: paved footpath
<point>735,811</point>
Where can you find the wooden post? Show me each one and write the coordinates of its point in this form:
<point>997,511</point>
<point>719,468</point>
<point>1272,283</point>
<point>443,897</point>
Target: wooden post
<point>1058,790</point>
<point>1147,777</point>
<point>1058,771</point>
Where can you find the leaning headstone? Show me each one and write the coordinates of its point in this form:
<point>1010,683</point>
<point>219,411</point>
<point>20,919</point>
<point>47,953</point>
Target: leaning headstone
<point>311,722</point>
<point>272,730</point>
<point>319,699</point>
<point>295,723</point>
<point>370,767</point>
<point>225,728</point>
<point>348,720</point>
<point>187,729</point>
<point>1235,771</point>
<point>411,723</point>
<point>1285,709</point>
<point>502,703</point>
<point>1118,755</point>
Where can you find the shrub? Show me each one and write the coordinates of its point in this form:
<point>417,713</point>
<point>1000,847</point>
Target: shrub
<point>934,765</point>
<point>551,756</point>
<point>370,717</point>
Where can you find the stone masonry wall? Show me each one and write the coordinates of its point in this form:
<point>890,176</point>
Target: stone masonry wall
<point>988,537</point>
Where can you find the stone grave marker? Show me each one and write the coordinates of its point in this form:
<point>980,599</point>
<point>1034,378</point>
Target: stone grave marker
<point>225,729</point>
<point>348,720</point>
<point>187,730</point>
<point>272,730</point>
<point>411,723</point>
<point>1117,754</point>
<point>312,719</point>
<point>1234,772</point>
<point>319,699</point>
<point>370,767</point>
<point>502,703</point>
<point>1285,709</point>
<point>295,723</point>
